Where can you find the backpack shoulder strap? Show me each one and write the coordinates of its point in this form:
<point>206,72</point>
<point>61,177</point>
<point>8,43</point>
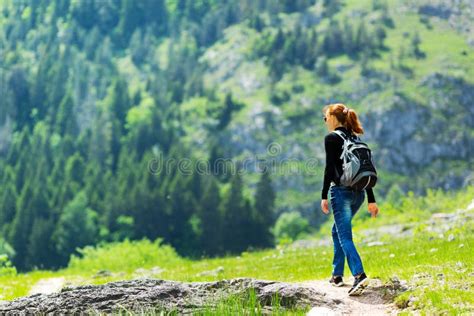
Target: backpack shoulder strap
<point>346,142</point>
<point>340,133</point>
<point>345,137</point>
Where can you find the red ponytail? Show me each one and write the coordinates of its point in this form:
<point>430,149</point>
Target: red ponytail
<point>347,117</point>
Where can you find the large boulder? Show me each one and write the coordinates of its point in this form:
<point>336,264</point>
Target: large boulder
<point>164,295</point>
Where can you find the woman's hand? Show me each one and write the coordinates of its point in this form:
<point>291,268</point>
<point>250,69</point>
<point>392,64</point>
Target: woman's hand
<point>373,209</point>
<point>325,206</point>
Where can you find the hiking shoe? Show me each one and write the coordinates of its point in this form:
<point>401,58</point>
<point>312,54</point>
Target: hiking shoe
<point>336,281</point>
<point>360,283</point>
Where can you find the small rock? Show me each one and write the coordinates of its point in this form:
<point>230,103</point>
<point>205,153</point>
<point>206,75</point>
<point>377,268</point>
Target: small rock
<point>141,271</point>
<point>102,274</point>
<point>421,276</point>
<point>398,285</point>
<point>412,300</point>
<point>214,272</point>
<point>470,206</point>
<point>460,267</point>
<point>461,245</point>
<point>451,237</point>
<point>157,270</point>
<point>442,216</point>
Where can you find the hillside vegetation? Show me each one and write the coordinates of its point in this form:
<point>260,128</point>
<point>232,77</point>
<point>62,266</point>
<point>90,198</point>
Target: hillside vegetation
<point>97,95</point>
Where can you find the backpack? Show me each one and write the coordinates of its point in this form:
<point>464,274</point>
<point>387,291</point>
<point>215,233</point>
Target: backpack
<point>358,168</point>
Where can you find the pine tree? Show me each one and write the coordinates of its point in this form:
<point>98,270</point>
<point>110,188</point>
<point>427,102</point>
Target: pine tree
<point>156,14</point>
<point>76,228</point>
<point>182,206</point>
<point>66,119</point>
<point>121,192</point>
<point>348,38</point>
<point>149,208</point>
<point>20,90</point>
<point>41,252</point>
<point>331,7</point>
<point>31,204</point>
<point>119,100</point>
<point>264,207</point>
<point>58,75</point>
<point>219,166</point>
<point>132,16</point>
<point>333,43</point>
<point>278,41</point>
<point>75,169</point>
<point>380,35</point>
<point>150,217</point>
<point>235,239</point>
<point>211,221</point>
<point>362,40</point>
<point>8,198</point>
<point>415,46</point>
<point>229,107</point>
<point>277,66</point>
<point>85,13</point>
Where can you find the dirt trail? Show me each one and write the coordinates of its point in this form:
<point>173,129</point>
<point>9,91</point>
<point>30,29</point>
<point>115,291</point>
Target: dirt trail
<point>371,302</point>
<point>47,286</point>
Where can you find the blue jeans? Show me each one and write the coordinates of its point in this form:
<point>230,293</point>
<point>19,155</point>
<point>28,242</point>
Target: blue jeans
<point>345,203</point>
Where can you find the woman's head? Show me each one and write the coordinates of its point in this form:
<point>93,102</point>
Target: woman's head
<point>338,114</point>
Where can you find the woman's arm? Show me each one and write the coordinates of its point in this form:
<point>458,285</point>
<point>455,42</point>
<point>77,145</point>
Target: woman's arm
<point>370,195</point>
<point>330,146</point>
<point>372,205</point>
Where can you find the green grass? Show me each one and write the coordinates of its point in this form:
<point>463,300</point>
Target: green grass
<point>411,256</point>
<point>243,304</point>
<point>441,272</point>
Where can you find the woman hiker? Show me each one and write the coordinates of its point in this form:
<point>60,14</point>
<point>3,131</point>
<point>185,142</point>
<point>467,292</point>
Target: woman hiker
<point>345,201</point>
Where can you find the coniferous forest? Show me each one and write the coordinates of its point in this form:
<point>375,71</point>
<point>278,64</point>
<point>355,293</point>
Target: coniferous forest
<point>93,94</point>
<point>75,169</point>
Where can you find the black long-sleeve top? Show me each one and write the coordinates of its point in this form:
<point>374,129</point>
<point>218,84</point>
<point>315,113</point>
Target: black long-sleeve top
<point>333,145</point>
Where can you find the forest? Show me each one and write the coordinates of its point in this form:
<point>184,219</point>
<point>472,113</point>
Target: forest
<point>93,91</point>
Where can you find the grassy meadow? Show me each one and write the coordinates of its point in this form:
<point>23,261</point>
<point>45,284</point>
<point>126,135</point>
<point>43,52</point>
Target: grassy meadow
<point>438,269</point>
<point>97,92</point>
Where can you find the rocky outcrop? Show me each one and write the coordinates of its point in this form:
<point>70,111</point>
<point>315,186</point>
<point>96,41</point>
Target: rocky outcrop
<point>164,295</point>
<point>459,14</point>
<point>421,139</point>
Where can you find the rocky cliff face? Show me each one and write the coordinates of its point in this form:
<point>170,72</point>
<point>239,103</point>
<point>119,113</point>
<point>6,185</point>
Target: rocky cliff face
<point>413,138</point>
